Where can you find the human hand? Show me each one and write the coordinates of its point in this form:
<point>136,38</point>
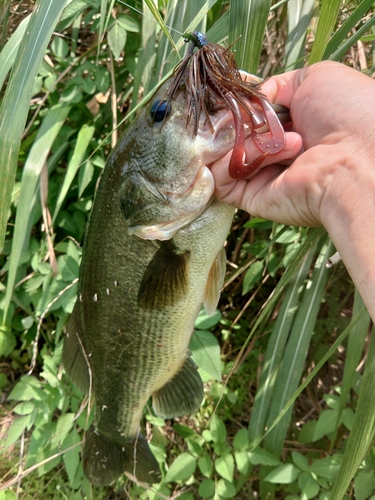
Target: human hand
<point>333,121</point>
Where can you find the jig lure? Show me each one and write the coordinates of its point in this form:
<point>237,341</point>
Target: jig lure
<point>213,77</point>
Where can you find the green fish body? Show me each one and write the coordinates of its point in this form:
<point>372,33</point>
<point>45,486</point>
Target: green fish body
<point>153,254</point>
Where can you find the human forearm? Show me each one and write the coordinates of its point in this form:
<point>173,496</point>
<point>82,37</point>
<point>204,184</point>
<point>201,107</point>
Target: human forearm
<point>349,218</point>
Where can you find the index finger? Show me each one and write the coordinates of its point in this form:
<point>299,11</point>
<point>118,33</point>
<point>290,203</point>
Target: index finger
<point>280,89</point>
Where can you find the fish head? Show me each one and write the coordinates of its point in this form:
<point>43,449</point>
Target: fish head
<point>165,180</point>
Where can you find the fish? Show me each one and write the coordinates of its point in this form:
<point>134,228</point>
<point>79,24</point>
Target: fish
<point>153,253</point>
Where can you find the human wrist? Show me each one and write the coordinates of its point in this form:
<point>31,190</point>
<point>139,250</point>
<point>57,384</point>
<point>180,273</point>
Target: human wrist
<point>347,214</point>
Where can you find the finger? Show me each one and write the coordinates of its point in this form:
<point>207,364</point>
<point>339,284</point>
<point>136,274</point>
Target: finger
<point>229,190</point>
<point>293,146</point>
<point>281,89</point>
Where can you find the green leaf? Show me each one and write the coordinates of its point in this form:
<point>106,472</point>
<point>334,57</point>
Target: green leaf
<point>205,465</point>
<point>154,420</point>
<point>63,427</point>
<point>182,430</point>
<point>205,352</point>
<point>206,488</point>
<point>205,321</point>
<point>26,389</point>
<point>347,418</point>
<point>72,457</point>
<point>307,432</point>
<point>225,467</point>
<point>364,484</point>
<point>241,439</point>
<point>59,47</point>
<point>69,268</point>
<point>24,408</point>
<point>284,474</point>
<point>242,461</point>
<point>326,467</point>
<point>259,223</point>
<point>218,430</point>
<point>259,456</point>
<point>225,489</point>
<point>300,460</point>
<point>325,424</point>
<point>309,487</point>
<point>128,23</point>
<point>7,341</point>
<point>85,175</point>
<point>116,39</point>
<point>16,429</point>
<point>182,468</point>
<point>8,495</point>
<point>83,140</point>
<point>194,447</point>
<point>252,276</point>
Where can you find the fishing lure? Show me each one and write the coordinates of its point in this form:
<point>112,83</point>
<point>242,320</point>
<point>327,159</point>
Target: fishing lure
<point>213,75</point>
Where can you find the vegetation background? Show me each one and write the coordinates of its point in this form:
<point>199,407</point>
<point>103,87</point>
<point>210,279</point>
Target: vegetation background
<point>288,361</point>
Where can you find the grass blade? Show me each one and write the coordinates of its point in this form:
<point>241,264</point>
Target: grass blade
<point>356,343</point>
<point>84,137</point>
<point>299,15</point>
<point>15,105</point>
<point>275,349</point>
<point>159,19</point>
<point>146,60</point>
<point>219,31</point>
<point>182,16</point>
<point>341,51</point>
<point>313,235</point>
<point>341,34</point>
<point>295,353</point>
<point>39,152</point>
<point>363,429</point>
<point>327,21</point>
<point>9,53</point>
<point>248,20</point>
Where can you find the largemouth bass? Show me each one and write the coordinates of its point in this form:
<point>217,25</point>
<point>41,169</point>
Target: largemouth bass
<point>153,254</point>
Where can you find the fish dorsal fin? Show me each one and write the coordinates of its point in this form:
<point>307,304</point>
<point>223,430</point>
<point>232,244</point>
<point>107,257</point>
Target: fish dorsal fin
<point>165,280</point>
<point>74,360</point>
<point>215,282</point>
<point>182,395</point>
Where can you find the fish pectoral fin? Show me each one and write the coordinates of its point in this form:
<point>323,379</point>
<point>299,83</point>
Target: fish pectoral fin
<point>165,281</point>
<point>182,395</point>
<point>73,357</point>
<point>215,282</point>
<point>105,461</point>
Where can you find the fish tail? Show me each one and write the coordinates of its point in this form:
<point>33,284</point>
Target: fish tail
<point>105,461</point>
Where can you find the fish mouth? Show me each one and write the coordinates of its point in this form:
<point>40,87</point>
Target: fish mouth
<point>182,209</point>
<point>176,208</point>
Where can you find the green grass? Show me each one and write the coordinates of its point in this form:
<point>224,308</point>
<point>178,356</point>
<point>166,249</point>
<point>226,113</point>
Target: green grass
<point>292,417</point>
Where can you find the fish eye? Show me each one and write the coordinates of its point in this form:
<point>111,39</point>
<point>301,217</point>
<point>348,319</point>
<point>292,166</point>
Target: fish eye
<point>160,110</point>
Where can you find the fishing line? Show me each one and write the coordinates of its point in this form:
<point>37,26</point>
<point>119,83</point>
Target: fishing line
<point>148,17</point>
